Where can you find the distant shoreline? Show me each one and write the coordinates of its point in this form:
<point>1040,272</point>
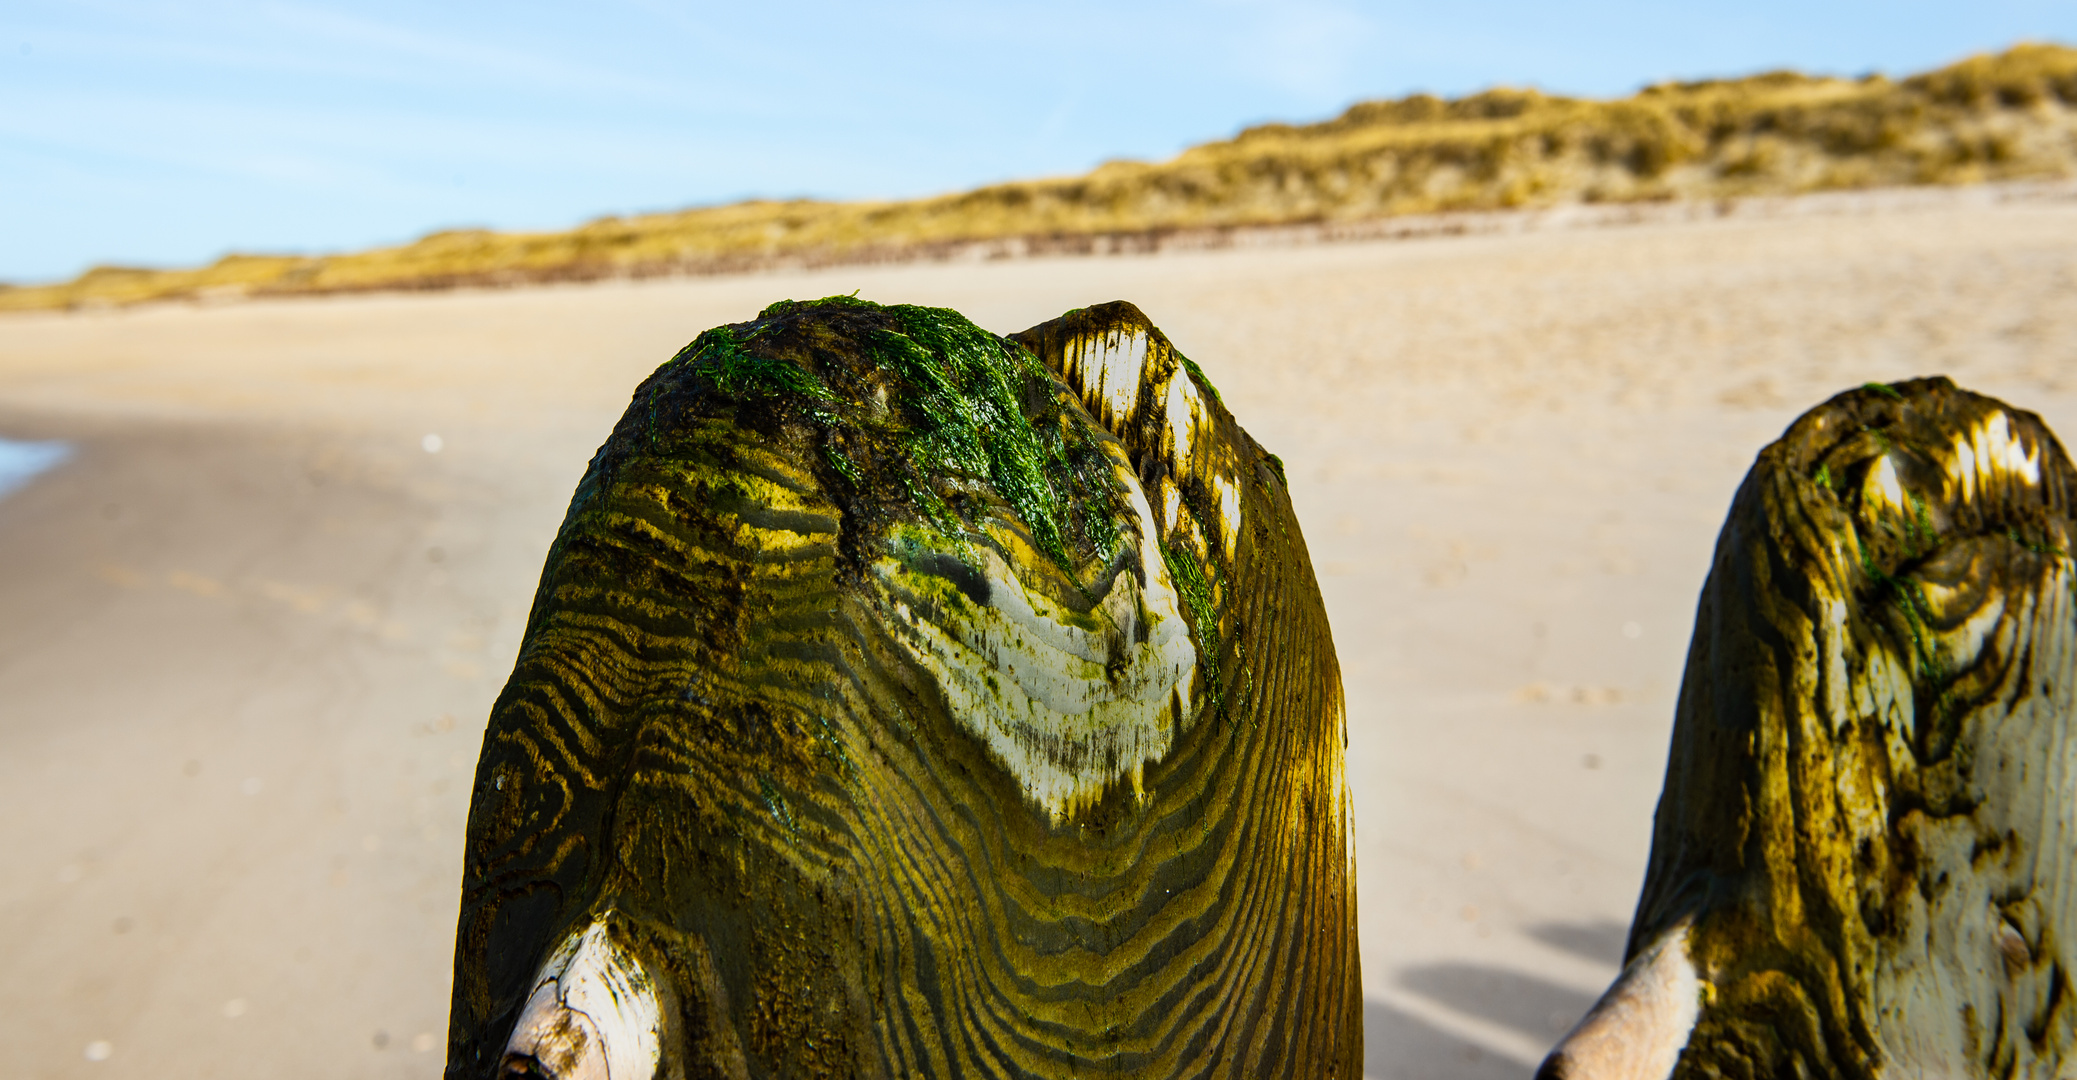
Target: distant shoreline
<point>22,461</point>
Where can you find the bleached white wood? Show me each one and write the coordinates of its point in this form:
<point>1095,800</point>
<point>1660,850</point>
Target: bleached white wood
<point>1639,1027</point>
<point>592,1015</point>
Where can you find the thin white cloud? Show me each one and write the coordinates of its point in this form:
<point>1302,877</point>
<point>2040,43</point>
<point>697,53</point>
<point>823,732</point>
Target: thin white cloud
<point>1304,47</point>
<point>314,50</point>
<point>455,57</point>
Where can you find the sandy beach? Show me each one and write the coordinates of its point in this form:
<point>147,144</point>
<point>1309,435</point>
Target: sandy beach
<point>251,628</point>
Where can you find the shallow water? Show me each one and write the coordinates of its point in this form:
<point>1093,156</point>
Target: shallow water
<point>21,461</point>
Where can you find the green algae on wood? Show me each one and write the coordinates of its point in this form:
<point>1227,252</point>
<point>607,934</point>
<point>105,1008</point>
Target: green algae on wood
<point>958,401</point>
<point>872,713</point>
<point>1866,848</point>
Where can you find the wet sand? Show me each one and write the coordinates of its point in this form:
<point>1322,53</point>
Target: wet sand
<point>249,632</point>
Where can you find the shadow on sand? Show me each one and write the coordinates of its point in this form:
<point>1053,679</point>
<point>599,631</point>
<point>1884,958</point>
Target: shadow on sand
<point>1538,1008</point>
<point>1601,941</point>
<point>1400,1046</point>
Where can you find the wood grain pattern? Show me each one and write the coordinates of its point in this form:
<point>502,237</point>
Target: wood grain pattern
<point>742,733</point>
<point>1869,813</point>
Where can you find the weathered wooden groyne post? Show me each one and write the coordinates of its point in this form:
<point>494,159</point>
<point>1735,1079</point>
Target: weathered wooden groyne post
<point>1865,857</point>
<point>901,700</point>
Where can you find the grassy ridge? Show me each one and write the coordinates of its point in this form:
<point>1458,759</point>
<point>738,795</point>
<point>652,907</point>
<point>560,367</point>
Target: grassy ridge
<point>2009,116</point>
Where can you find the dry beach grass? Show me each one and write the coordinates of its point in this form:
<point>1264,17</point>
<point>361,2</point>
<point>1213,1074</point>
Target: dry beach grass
<point>2005,117</point>
<point>253,627</point>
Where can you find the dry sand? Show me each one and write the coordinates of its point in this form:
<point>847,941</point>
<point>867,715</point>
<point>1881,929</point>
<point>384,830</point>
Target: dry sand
<point>249,634</point>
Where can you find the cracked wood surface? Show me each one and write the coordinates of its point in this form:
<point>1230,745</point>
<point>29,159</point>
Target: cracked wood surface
<point>733,755</point>
<point>1868,810</point>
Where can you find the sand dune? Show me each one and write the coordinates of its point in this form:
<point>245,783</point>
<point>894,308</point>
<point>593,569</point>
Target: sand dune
<point>250,630</point>
<point>1379,166</point>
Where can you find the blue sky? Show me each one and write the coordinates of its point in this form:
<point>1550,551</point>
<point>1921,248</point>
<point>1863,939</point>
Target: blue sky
<point>171,133</point>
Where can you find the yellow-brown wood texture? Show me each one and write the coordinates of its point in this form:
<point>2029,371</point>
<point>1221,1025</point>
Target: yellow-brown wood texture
<point>750,725</point>
<point>1869,810</point>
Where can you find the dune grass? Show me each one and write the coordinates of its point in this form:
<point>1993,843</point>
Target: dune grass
<point>1996,117</point>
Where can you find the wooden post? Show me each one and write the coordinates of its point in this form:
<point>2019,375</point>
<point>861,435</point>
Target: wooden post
<point>1865,856</point>
<point>901,700</point>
